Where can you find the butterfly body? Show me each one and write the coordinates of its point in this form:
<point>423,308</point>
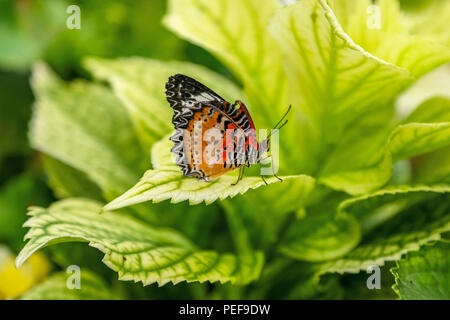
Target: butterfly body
<point>212,136</point>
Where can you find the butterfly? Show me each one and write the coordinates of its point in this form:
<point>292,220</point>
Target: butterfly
<point>198,111</point>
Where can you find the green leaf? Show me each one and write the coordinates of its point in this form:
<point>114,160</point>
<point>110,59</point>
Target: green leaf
<point>168,182</point>
<point>235,31</point>
<point>408,230</point>
<point>423,274</point>
<point>137,252</point>
<point>139,84</point>
<point>381,30</point>
<point>376,208</point>
<point>433,110</point>
<point>412,139</point>
<point>429,19</point>
<point>86,127</point>
<point>426,170</point>
<point>68,182</point>
<point>55,288</point>
<point>160,185</point>
<point>320,237</point>
<point>341,90</point>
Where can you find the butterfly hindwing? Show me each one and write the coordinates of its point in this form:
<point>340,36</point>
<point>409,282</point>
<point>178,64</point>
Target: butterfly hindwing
<point>195,104</point>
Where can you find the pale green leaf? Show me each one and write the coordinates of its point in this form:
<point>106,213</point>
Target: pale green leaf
<point>337,85</point>
<point>168,182</point>
<point>235,31</point>
<point>160,185</point>
<point>86,127</point>
<point>436,109</point>
<point>412,139</point>
<point>92,287</point>
<point>424,274</point>
<point>406,231</point>
<point>429,20</point>
<point>137,252</point>
<point>140,85</point>
<point>381,30</point>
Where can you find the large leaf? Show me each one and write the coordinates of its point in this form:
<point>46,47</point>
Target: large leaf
<point>159,185</point>
<point>424,274</point>
<point>85,126</point>
<point>345,96</point>
<point>140,85</point>
<point>412,139</point>
<point>92,287</point>
<point>136,251</point>
<point>389,38</point>
<point>235,31</point>
<point>167,181</point>
<point>406,231</point>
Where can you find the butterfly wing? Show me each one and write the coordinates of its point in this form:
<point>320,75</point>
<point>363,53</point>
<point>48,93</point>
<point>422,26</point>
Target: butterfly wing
<point>195,104</point>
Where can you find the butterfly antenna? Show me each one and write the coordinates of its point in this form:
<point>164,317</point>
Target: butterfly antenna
<point>284,123</point>
<point>282,118</point>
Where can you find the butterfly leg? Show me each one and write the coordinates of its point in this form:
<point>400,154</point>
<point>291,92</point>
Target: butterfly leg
<point>240,176</point>
<point>262,177</point>
<point>273,170</point>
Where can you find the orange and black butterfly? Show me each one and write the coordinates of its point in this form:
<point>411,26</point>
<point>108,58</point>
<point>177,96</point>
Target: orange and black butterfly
<point>197,112</point>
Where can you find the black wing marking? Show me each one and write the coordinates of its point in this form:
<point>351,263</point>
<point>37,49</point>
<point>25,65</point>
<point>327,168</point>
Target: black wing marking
<point>186,95</point>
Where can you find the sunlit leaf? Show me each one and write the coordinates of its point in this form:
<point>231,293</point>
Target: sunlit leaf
<point>381,30</point>
<point>136,251</point>
<point>413,139</point>
<point>345,95</point>
<point>428,19</point>
<point>235,31</point>
<point>168,182</point>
